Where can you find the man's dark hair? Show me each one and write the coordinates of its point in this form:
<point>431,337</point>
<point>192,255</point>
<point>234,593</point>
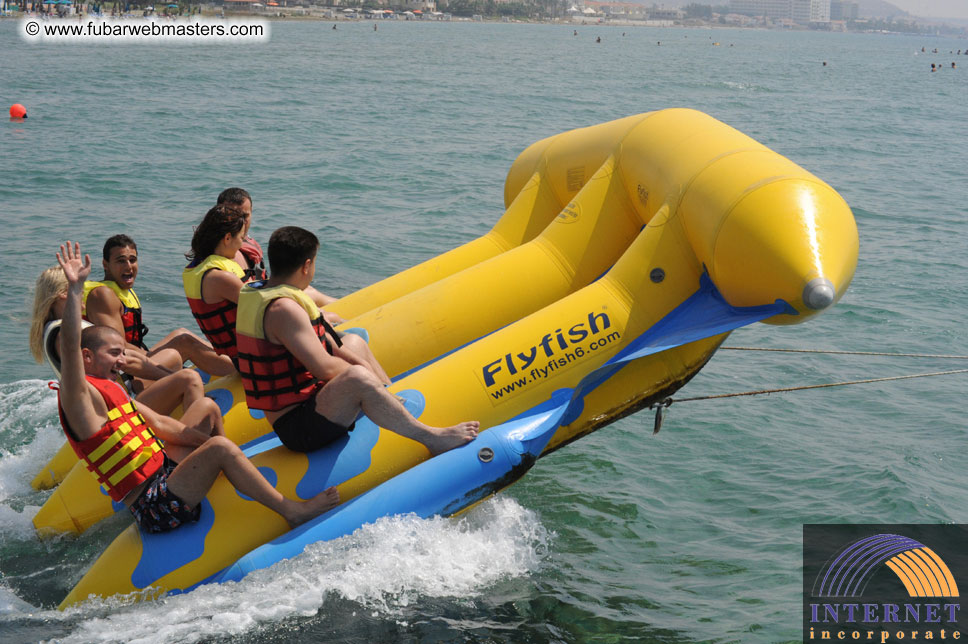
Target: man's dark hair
<point>94,336</point>
<point>289,248</point>
<point>117,241</point>
<point>233,197</point>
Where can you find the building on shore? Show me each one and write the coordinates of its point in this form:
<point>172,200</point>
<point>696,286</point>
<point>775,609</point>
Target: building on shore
<point>799,11</point>
<point>843,10</point>
<point>241,5</point>
<point>626,11</point>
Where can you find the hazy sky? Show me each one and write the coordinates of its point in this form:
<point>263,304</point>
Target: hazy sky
<point>934,8</point>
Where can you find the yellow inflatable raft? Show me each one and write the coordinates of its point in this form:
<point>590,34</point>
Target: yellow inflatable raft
<point>733,233</point>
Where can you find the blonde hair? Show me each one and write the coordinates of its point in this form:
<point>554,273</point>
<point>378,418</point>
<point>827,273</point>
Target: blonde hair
<point>51,285</point>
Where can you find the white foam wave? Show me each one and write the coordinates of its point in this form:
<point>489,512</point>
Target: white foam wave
<point>29,433</point>
<point>29,402</point>
<point>17,524</point>
<point>19,467</point>
<point>11,605</point>
<point>28,425</point>
<point>384,567</point>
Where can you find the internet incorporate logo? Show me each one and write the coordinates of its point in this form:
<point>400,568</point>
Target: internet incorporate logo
<point>918,567</point>
<point>884,586</point>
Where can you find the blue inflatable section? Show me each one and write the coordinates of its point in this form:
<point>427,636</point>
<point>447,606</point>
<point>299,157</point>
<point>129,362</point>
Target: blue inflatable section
<point>456,479</point>
<point>452,481</point>
<point>168,551</point>
<point>223,398</point>
<point>344,459</point>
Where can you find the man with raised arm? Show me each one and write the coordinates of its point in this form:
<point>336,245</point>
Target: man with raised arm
<point>293,369</point>
<point>119,441</point>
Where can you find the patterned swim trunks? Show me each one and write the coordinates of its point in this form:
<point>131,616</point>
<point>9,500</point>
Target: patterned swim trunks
<point>159,510</point>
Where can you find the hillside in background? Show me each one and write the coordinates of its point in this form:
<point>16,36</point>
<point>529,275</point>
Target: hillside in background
<point>879,9</point>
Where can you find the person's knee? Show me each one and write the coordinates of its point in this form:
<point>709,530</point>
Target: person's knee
<point>213,406</point>
<point>353,342</point>
<point>189,378</point>
<point>360,372</point>
<point>360,377</point>
<point>222,446</point>
<point>180,339</point>
<point>168,357</point>
<point>207,407</point>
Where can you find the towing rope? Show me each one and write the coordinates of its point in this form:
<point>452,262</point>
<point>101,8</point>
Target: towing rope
<point>803,387</point>
<point>851,353</point>
<point>663,404</point>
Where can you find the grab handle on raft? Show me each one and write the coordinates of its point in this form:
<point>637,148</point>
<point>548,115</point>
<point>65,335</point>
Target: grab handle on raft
<point>659,406</point>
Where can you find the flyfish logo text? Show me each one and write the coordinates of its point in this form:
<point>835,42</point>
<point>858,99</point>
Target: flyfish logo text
<point>511,373</point>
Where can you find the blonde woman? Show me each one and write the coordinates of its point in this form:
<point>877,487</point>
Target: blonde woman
<point>184,387</point>
<point>50,293</point>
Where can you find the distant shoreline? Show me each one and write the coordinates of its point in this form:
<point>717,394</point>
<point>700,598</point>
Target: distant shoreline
<point>317,16</point>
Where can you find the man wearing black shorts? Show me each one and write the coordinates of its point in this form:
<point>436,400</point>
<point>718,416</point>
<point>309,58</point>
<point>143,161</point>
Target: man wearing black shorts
<point>294,368</point>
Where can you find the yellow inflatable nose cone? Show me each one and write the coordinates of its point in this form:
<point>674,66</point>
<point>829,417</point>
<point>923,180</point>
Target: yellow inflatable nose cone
<point>768,230</point>
<point>793,240</point>
<point>819,294</point>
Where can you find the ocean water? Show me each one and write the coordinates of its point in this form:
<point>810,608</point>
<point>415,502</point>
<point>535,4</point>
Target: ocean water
<point>393,146</point>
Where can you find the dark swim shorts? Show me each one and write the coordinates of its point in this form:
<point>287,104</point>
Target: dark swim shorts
<point>157,509</point>
<point>304,430</point>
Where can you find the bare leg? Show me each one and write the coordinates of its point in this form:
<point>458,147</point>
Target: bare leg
<point>357,388</point>
<point>193,348</point>
<point>195,475</point>
<point>205,416</point>
<point>184,387</point>
<point>179,453</point>
<point>204,419</point>
<point>358,347</point>
<point>168,358</point>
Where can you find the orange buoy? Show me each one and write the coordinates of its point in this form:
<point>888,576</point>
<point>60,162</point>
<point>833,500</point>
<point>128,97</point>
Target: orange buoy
<point>18,111</point>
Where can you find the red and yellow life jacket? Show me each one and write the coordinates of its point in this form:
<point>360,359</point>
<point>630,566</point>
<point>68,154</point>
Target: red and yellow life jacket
<point>217,321</point>
<point>252,252</point>
<point>134,330</point>
<point>125,452</point>
<point>272,377</point>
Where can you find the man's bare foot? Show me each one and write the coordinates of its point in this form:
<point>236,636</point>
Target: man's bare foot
<point>306,510</point>
<point>444,439</point>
